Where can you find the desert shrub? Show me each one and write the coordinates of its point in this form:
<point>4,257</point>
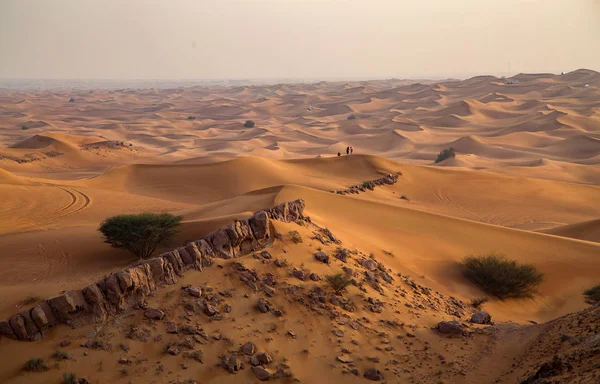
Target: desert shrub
<point>445,154</point>
<point>351,117</point>
<point>191,117</point>
<point>500,277</point>
<point>35,364</point>
<point>69,378</point>
<point>338,282</point>
<point>478,302</point>
<point>60,355</point>
<point>139,234</point>
<point>249,124</point>
<point>592,295</point>
<point>404,197</point>
<point>295,236</point>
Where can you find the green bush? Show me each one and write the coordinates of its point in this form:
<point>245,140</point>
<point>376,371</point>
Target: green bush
<point>140,234</point>
<point>592,295</point>
<point>500,277</point>
<point>249,124</point>
<point>445,154</point>
<point>191,118</point>
<point>338,282</point>
<point>295,236</point>
<point>69,378</point>
<point>478,302</point>
<point>35,364</point>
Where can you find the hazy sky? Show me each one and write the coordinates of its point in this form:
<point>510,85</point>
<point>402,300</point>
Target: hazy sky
<point>254,39</point>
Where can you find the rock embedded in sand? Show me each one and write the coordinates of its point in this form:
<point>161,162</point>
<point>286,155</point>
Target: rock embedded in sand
<point>450,327</point>
<point>154,314</point>
<point>314,277</point>
<point>172,327</point>
<point>322,257</point>
<point>248,348</point>
<point>481,317</point>
<point>263,305</point>
<point>262,358</point>
<point>173,350</point>
<point>338,332</point>
<point>344,359</point>
<point>194,291</point>
<point>261,373</point>
<point>232,363</point>
<point>373,375</point>
<point>299,274</point>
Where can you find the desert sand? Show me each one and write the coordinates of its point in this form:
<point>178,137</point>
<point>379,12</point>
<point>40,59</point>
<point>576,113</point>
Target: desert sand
<point>525,182</point>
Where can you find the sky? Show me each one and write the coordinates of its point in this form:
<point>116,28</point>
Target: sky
<point>295,39</point>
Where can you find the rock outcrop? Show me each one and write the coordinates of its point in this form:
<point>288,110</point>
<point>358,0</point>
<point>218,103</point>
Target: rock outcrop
<point>128,288</point>
<point>370,185</point>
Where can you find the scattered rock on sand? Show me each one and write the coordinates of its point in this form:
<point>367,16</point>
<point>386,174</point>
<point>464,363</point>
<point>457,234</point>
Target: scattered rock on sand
<point>322,257</point>
<point>314,277</point>
<point>231,363</point>
<point>299,274</point>
<point>261,373</point>
<point>263,305</point>
<point>344,359</point>
<point>154,314</point>
<point>248,348</point>
<point>338,332</point>
<point>171,327</point>
<point>481,317</point>
<point>450,327</point>
<point>262,358</point>
<point>373,374</point>
<point>194,291</point>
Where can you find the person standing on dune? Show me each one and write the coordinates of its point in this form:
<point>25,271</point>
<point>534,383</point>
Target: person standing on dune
<point>347,151</point>
<point>351,150</point>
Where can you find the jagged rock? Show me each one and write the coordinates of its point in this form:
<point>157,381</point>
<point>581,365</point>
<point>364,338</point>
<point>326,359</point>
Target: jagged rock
<point>450,327</point>
<point>481,317</point>
<point>196,355</point>
<point>263,305</point>
<point>262,358</point>
<point>154,314</point>
<point>338,332</point>
<point>232,364</point>
<point>173,350</point>
<point>342,254</point>
<point>248,348</point>
<point>322,257</point>
<point>189,329</point>
<point>210,310</point>
<point>344,359</point>
<point>386,277</point>
<point>43,317</point>
<point>373,375</point>
<point>266,255</point>
<point>314,277</point>
<point>299,274</point>
<point>221,244</point>
<point>172,327</point>
<point>261,373</point>
<point>369,264</point>
<point>261,227</point>
<point>194,291</point>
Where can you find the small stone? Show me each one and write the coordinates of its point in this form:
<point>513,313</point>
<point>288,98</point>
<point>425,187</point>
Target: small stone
<point>322,257</point>
<point>171,327</point>
<point>291,334</point>
<point>344,359</point>
<point>338,332</point>
<point>232,364</point>
<point>125,361</point>
<point>173,350</point>
<point>373,375</point>
<point>314,277</point>
<point>194,291</point>
<point>64,343</point>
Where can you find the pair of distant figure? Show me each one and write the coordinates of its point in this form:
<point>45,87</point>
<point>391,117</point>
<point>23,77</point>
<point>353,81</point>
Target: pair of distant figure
<point>349,151</point>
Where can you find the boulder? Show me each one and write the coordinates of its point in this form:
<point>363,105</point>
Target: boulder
<point>262,358</point>
<point>322,257</point>
<point>154,314</point>
<point>373,375</point>
<point>344,359</point>
<point>261,373</point>
<point>172,327</point>
<point>157,271</point>
<point>66,307</point>
<point>174,258</point>
<point>6,330</point>
<point>450,328</point>
<point>314,277</point>
<point>206,251</point>
<point>481,317</point>
<point>210,310</point>
<point>241,236</point>
<point>24,327</point>
<point>221,244</point>
<point>193,256</point>
<point>43,317</point>
<point>261,227</point>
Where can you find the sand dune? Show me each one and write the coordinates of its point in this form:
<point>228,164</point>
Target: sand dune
<point>525,182</point>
